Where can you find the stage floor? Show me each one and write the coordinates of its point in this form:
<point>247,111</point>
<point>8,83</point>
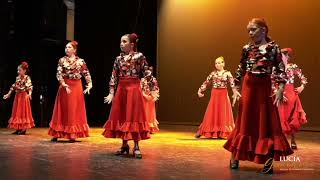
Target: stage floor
<point>173,153</point>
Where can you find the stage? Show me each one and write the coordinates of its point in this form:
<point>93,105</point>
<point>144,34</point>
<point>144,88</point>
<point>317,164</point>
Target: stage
<point>173,153</point>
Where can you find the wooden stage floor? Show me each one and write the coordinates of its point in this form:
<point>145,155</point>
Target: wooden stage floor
<point>173,153</point>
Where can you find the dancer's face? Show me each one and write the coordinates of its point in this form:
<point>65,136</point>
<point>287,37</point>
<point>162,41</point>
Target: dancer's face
<point>256,33</point>
<point>125,44</point>
<point>285,58</point>
<point>21,71</point>
<point>219,64</point>
<point>70,50</point>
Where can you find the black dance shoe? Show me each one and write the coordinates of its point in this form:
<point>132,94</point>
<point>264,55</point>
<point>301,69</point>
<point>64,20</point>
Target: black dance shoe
<point>17,131</point>
<point>234,164</point>
<point>268,167</point>
<point>294,145</point>
<point>197,136</point>
<point>22,132</point>
<point>137,153</point>
<point>54,139</point>
<point>123,150</point>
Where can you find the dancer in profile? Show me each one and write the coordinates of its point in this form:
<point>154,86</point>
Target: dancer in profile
<point>258,135</point>
<point>21,118</point>
<point>291,112</point>
<point>69,118</point>
<point>150,91</point>
<point>127,118</point>
<point>218,120</point>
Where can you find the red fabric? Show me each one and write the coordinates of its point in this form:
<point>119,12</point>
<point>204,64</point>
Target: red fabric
<point>21,117</point>
<point>257,135</point>
<point>69,118</point>
<point>291,112</point>
<point>218,119</point>
<point>127,119</point>
<point>150,108</point>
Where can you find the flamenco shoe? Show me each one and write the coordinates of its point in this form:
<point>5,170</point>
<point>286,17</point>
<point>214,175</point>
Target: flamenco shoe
<point>197,136</point>
<point>137,153</point>
<point>268,167</point>
<point>16,132</point>
<point>123,150</point>
<point>54,139</point>
<point>294,145</point>
<point>234,164</point>
<point>22,132</point>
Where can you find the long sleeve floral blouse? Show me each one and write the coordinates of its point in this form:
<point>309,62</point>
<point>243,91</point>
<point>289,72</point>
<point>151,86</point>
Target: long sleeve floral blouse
<point>150,86</point>
<point>74,69</point>
<point>217,80</point>
<point>132,65</point>
<point>292,71</point>
<point>261,60</point>
<point>22,84</point>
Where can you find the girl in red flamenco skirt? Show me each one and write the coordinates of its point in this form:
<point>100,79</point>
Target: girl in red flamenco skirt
<point>21,117</point>
<point>69,119</point>
<point>127,118</point>
<point>218,120</point>
<point>258,135</point>
<point>291,113</point>
<point>150,91</point>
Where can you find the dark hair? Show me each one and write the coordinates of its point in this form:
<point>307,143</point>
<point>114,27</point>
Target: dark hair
<point>262,24</point>
<point>133,38</point>
<point>24,65</point>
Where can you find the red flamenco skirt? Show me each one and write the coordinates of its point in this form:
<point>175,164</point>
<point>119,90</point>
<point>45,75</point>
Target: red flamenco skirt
<point>21,117</point>
<point>69,118</point>
<point>150,108</point>
<point>127,119</point>
<point>291,112</point>
<point>257,135</point>
<point>218,120</point>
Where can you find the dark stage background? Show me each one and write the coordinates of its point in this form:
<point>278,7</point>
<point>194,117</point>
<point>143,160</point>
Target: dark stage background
<point>36,31</point>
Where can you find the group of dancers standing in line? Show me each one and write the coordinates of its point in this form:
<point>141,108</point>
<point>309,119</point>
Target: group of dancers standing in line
<point>132,116</point>
<point>269,105</point>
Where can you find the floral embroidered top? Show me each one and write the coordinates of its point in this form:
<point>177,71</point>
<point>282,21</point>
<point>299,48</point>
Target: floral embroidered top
<point>261,60</point>
<point>22,84</point>
<point>131,65</point>
<point>293,70</point>
<point>218,80</point>
<point>150,86</point>
<point>72,69</point>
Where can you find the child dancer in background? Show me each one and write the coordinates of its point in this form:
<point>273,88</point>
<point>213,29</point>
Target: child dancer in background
<point>291,113</point>
<point>150,91</point>
<point>218,119</point>
<point>69,118</point>
<point>21,117</point>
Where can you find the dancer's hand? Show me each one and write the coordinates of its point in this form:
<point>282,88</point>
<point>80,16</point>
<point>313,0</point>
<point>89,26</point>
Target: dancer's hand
<point>155,95</point>
<point>279,96</point>
<point>236,96</point>
<point>299,89</point>
<point>6,96</point>
<point>29,96</point>
<point>108,99</point>
<point>66,86</point>
<point>200,94</point>
<point>88,88</point>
